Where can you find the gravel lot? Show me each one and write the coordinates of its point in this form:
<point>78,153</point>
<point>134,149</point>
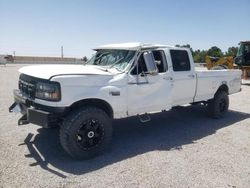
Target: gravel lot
<point>180,148</point>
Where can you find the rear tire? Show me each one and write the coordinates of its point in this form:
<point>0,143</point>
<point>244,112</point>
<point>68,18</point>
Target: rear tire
<point>86,132</point>
<point>218,106</point>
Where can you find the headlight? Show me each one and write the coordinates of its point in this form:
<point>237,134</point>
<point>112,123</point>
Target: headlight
<point>48,91</point>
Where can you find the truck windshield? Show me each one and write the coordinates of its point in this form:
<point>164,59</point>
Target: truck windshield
<point>118,59</point>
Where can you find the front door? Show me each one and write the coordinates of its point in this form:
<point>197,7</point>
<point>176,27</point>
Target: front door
<point>146,92</point>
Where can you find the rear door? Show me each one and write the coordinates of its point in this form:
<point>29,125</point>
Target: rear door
<point>184,76</point>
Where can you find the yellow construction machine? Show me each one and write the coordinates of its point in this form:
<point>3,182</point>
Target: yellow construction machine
<point>240,61</point>
<point>216,63</point>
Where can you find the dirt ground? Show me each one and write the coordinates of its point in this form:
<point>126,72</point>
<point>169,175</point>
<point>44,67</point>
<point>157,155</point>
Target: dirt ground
<point>180,148</point>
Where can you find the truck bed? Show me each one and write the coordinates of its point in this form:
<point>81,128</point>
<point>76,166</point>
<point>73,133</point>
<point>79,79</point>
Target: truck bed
<point>208,82</point>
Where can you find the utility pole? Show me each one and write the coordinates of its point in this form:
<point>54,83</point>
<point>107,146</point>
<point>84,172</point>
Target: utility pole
<point>62,51</point>
<point>14,53</point>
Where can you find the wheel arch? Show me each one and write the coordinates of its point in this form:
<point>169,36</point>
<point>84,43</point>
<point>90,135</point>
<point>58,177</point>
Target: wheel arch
<point>223,87</point>
<point>99,103</point>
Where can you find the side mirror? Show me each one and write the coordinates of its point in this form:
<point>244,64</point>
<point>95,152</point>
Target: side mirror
<point>150,63</point>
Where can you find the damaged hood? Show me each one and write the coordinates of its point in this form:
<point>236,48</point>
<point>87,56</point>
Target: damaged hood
<point>49,71</point>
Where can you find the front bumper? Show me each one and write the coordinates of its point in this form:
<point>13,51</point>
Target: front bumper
<point>35,113</point>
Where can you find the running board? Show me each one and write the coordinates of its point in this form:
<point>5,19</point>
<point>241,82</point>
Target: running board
<point>144,118</point>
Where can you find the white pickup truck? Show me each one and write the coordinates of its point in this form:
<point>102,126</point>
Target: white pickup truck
<point>120,80</point>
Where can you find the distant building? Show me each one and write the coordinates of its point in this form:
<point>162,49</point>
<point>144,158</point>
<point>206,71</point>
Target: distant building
<point>2,59</point>
<point>41,60</point>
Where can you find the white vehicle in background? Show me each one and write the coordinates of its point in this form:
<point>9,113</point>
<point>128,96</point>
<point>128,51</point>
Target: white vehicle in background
<point>119,81</point>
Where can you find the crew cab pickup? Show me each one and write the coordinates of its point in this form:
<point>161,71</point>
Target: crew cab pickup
<point>119,81</point>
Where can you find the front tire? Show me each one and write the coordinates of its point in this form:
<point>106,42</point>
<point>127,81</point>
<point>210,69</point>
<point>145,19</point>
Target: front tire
<point>86,132</point>
<point>218,106</point>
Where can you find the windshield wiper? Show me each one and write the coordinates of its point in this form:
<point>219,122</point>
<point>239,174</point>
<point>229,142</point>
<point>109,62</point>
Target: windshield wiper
<point>101,68</point>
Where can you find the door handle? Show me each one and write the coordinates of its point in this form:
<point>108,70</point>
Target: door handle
<point>191,76</point>
<point>168,78</point>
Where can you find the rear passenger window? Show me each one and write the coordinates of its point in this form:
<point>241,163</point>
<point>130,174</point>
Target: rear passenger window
<point>180,60</point>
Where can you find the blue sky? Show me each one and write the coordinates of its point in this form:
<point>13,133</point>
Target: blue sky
<point>40,27</point>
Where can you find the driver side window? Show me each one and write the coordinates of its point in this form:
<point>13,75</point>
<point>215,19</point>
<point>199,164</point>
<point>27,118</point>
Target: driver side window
<point>160,61</point>
<point>141,66</point>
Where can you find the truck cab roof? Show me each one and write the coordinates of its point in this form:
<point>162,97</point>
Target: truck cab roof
<point>134,46</point>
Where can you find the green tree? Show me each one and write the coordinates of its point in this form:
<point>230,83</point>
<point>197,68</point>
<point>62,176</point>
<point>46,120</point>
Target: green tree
<point>85,58</point>
<point>215,52</point>
<point>199,56</point>
<point>186,46</point>
<point>232,51</point>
